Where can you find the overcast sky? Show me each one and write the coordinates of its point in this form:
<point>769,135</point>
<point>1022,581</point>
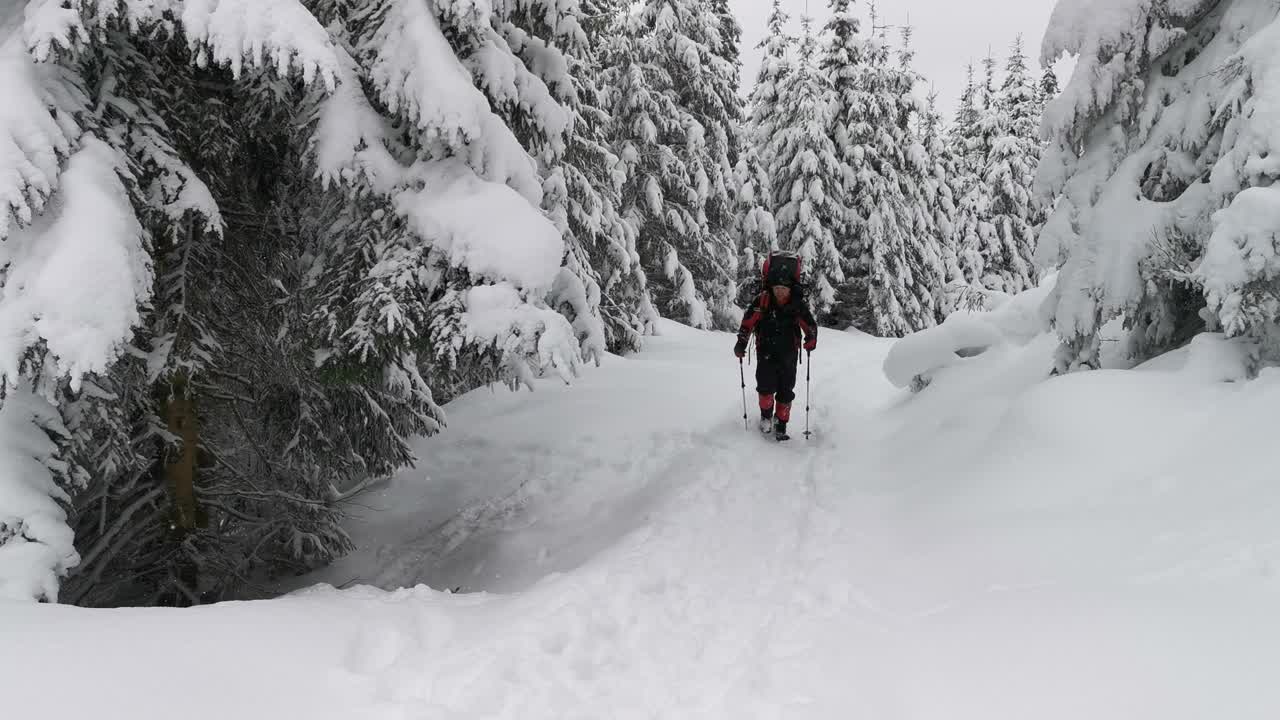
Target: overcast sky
<point>948,34</point>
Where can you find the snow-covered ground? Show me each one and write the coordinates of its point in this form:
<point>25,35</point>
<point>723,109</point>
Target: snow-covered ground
<point>1000,546</point>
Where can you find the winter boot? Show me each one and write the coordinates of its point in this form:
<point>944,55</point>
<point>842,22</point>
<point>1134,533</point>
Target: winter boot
<point>780,431</point>
<point>782,415</point>
<point>766,414</point>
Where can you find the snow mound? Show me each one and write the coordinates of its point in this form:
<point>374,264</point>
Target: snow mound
<point>1209,357</point>
<point>1014,320</point>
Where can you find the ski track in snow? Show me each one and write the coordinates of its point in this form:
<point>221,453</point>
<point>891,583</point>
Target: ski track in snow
<point>627,550</point>
<point>711,606</point>
<point>739,578</point>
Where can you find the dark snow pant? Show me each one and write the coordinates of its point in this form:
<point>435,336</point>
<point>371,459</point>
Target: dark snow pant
<point>776,379</point>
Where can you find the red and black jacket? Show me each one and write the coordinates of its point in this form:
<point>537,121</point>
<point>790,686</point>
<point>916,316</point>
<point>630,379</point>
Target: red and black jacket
<point>778,328</point>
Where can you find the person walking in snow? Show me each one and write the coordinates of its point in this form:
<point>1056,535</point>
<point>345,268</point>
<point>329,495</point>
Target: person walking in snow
<point>782,324</point>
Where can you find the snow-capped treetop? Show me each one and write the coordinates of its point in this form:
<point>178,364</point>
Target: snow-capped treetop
<point>775,67</point>
<point>844,49</point>
<point>1018,93</point>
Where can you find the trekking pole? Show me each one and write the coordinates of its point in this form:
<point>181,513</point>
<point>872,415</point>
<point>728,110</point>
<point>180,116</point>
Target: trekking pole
<point>807,368</point>
<point>742,377</point>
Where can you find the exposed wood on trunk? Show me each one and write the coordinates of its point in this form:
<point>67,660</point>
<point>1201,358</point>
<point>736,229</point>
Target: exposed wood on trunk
<point>180,465</point>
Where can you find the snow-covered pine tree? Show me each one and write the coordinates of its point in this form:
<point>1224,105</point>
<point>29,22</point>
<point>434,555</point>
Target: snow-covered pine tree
<point>300,212</point>
<point>843,55</point>
<point>756,224</point>
<point>979,123</point>
<point>727,119</point>
<point>730,33</point>
<point>941,181</point>
<point>625,303</point>
<point>808,185</point>
<point>665,78</point>
<point>1049,87</point>
<point>1162,147</point>
<point>924,239</point>
<point>775,68</point>
<point>729,49</point>
<point>756,227</point>
<point>966,118</point>
<point>601,278</point>
<point>1013,151</point>
<point>965,141</point>
<point>872,129</point>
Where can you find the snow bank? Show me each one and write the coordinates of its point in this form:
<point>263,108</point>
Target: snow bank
<point>962,335</point>
<point>317,656</point>
<point>1015,320</point>
<point>1208,358</point>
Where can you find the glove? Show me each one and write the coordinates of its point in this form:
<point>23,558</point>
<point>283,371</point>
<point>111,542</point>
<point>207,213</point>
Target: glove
<point>811,343</point>
<point>740,349</point>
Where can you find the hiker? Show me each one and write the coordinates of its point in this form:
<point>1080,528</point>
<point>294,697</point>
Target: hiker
<point>779,318</point>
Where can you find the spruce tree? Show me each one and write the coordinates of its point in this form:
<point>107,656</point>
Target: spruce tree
<point>756,224</point>
<point>923,239</point>
<point>282,251</point>
<point>842,62</point>
<point>728,48</point>
<point>807,179</point>
<point>601,288</point>
<point>977,124</point>
<point>756,227</point>
<point>727,118</point>
<point>874,114</point>
<point>945,168</point>
<point>775,70</point>
<point>1049,87</point>
<point>666,80</point>
<point>1009,171</point>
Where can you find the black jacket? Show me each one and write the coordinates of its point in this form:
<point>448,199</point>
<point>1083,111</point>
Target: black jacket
<point>778,328</point>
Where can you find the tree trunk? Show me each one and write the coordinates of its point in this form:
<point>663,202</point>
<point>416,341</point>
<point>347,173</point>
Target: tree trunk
<point>180,466</point>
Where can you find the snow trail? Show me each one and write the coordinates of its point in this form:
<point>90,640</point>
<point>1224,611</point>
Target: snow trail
<point>997,546</point>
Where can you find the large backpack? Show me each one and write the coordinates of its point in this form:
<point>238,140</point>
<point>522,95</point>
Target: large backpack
<point>782,267</point>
